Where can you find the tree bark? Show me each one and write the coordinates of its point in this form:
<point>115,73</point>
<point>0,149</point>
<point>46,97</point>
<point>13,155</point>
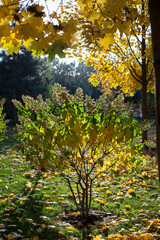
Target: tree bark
<point>144,108</point>
<point>154,11</point>
<point>144,77</point>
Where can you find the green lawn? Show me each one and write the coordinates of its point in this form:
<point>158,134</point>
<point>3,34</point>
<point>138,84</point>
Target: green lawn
<point>36,205</point>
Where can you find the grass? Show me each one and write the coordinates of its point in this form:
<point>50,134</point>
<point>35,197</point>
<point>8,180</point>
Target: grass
<point>32,204</point>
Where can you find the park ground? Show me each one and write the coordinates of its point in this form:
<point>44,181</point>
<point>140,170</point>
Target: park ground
<point>37,205</point>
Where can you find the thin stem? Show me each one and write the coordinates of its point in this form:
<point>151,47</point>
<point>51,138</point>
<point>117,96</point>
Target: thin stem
<point>70,186</point>
<point>90,197</point>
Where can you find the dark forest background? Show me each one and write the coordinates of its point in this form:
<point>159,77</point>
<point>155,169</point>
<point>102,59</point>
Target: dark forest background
<point>21,74</point>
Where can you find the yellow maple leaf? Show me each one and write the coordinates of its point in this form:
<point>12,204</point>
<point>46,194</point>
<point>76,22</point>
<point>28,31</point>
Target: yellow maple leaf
<point>94,15</point>
<point>82,7</point>
<point>112,237</point>
<point>49,208</point>
<point>45,175</point>
<point>69,29</point>
<point>27,43</point>
<point>31,137</point>
<point>98,237</point>
<point>119,235</point>
<point>131,190</point>
<point>29,185</point>
<point>35,238</point>
<point>127,206</point>
<point>147,236</point>
<point>70,227</point>
<point>124,27</point>
<point>108,192</point>
<point>106,41</point>
<point>3,201</point>
<point>43,226</point>
<point>101,201</point>
<point>11,46</point>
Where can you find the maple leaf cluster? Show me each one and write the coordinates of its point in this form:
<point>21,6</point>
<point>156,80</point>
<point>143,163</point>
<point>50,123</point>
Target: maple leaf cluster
<point>32,25</point>
<point>25,24</point>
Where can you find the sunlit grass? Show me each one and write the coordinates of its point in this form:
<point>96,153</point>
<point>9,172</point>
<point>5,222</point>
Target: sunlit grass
<point>33,203</point>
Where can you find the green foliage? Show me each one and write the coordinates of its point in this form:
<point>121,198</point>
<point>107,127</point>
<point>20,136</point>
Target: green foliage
<point>57,48</point>
<point>2,123</point>
<point>36,130</point>
<point>78,136</point>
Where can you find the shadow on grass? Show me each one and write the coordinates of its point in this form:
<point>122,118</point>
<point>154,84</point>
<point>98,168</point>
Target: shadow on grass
<point>25,219</point>
<point>10,138</point>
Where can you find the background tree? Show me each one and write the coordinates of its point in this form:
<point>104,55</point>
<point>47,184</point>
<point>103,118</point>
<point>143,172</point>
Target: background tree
<point>74,75</point>
<point>22,74</point>
<point>27,21</point>
<point>127,63</point>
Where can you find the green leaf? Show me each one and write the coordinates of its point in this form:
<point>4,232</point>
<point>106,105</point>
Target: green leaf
<point>57,48</point>
<point>144,161</point>
<point>100,161</point>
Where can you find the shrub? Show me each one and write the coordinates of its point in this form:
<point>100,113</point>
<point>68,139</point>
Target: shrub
<point>79,137</point>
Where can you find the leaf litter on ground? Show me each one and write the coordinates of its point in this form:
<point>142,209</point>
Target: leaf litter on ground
<point>35,205</point>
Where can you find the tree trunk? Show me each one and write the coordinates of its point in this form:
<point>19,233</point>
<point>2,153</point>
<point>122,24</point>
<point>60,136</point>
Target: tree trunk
<point>144,77</point>
<point>154,11</point>
<point>144,108</point>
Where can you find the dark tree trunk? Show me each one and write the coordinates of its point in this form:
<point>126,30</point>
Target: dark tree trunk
<point>144,78</point>
<point>154,11</point>
<point>144,108</point>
